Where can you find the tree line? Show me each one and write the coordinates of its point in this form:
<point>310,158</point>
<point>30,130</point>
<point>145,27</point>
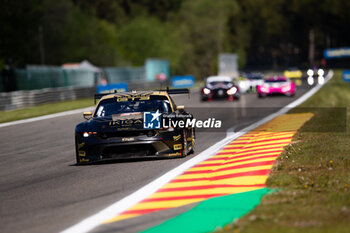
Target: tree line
<point>190,33</point>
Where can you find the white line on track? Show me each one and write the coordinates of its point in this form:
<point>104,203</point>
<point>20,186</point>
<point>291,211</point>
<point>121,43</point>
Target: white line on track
<point>120,206</point>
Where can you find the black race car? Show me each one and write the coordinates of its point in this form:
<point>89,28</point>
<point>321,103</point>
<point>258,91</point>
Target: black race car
<point>129,125</point>
<point>219,87</point>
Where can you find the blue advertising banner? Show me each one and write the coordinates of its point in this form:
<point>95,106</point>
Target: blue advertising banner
<point>336,53</point>
<point>182,81</point>
<point>120,87</point>
<point>346,75</point>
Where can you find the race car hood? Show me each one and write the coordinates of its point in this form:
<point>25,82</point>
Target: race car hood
<point>112,123</point>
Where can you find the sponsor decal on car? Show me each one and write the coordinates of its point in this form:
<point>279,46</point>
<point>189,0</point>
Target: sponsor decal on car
<point>82,153</point>
<point>174,154</point>
<point>128,122</point>
<point>177,146</point>
<point>177,138</point>
<point>80,145</point>
<point>133,97</point>
<point>128,139</point>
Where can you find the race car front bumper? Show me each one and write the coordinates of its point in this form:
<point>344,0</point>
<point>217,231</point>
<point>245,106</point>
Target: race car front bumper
<point>94,148</point>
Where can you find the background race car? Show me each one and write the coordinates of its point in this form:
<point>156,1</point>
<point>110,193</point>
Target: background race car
<point>129,125</point>
<point>293,72</point>
<point>249,81</point>
<point>219,87</point>
<point>276,85</point>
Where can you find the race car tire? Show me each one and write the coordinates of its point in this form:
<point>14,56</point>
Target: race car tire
<point>76,151</point>
<point>261,96</point>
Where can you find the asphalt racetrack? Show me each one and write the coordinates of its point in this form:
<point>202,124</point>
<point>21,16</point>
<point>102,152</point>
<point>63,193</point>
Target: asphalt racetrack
<point>42,190</point>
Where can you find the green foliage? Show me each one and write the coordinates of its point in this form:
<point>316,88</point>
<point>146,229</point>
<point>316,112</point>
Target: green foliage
<point>204,29</point>
<point>190,33</point>
<point>147,37</point>
<point>71,36</point>
<point>68,35</point>
<point>19,21</point>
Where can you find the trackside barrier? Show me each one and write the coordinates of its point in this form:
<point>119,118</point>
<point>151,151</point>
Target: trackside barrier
<point>125,74</point>
<point>35,77</point>
<point>79,78</point>
<point>21,99</point>
<point>31,79</point>
<point>27,98</point>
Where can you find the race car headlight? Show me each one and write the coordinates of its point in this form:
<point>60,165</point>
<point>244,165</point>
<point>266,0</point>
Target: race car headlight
<point>286,88</point>
<point>310,80</point>
<point>242,85</point>
<point>320,72</point>
<point>310,72</point>
<point>206,91</point>
<point>87,134</point>
<point>232,91</point>
<point>264,89</point>
<point>320,80</point>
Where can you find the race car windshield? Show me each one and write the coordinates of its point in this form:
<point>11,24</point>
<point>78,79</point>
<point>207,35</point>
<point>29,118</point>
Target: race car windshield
<point>255,78</point>
<point>275,81</point>
<point>109,107</point>
<point>218,83</point>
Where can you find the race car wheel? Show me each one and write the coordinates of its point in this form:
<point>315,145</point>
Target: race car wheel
<point>76,151</point>
<point>184,144</point>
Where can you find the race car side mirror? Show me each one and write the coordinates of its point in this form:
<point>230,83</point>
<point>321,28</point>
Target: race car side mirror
<point>180,108</point>
<point>87,115</point>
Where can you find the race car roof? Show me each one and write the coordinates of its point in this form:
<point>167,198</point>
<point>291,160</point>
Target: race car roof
<point>219,79</point>
<point>134,93</point>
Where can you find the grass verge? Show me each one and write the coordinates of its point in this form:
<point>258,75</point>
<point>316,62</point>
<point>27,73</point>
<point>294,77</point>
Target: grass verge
<point>312,175</point>
<point>44,109</point>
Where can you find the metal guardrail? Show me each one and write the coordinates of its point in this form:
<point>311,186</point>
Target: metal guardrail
<point>23,99</point>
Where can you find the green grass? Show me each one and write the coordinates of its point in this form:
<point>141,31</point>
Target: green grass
<point>44,109</point>
<point>312,175</point>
